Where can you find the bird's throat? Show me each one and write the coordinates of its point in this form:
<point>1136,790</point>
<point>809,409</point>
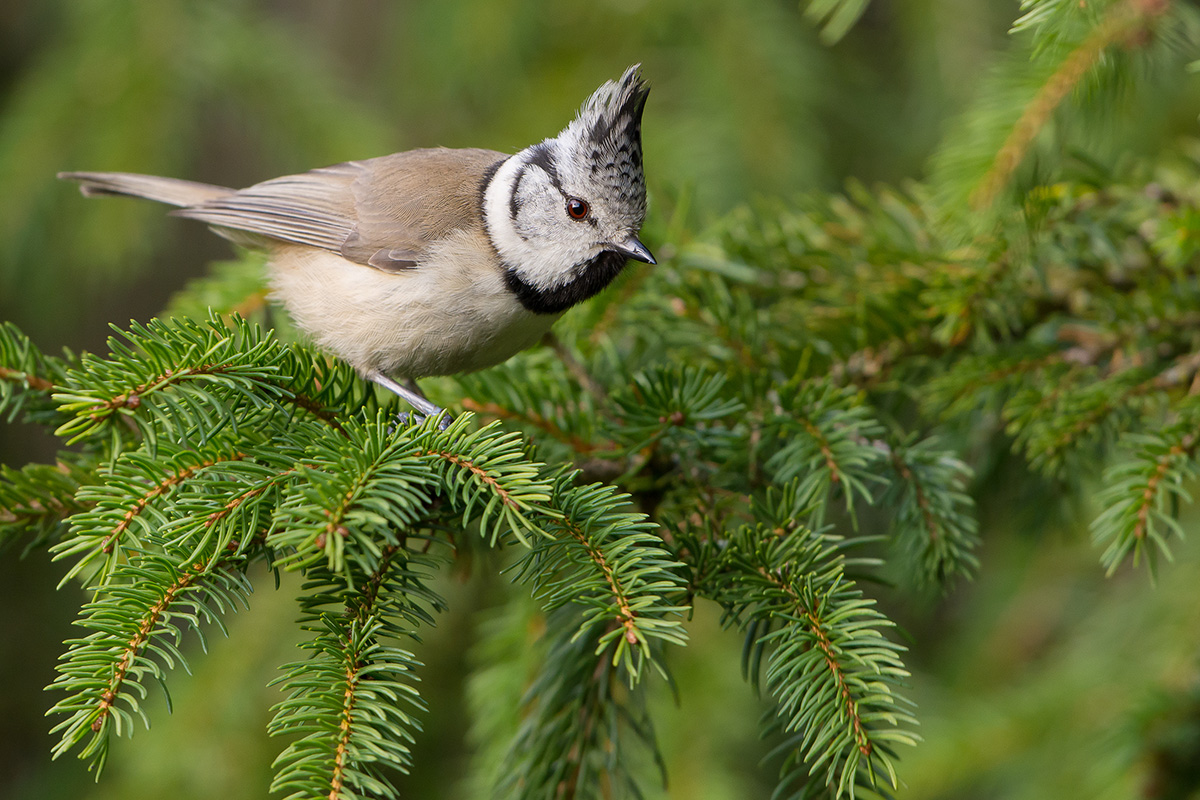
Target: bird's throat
<point>590,278</point>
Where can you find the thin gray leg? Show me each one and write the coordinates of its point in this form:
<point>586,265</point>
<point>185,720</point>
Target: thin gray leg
<point>409,393</point>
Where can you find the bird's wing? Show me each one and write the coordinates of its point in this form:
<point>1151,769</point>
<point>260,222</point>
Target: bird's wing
<point>382,212</point>
<point>314,208</point>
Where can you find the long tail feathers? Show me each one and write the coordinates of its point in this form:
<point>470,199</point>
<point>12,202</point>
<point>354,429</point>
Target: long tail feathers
<point>171,191</point>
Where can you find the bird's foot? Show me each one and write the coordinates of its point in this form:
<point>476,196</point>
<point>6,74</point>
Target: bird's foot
<point>406,419</point>
<point>411,394</point>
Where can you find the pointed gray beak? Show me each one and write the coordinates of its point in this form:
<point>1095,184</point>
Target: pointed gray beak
<point>634,249</point>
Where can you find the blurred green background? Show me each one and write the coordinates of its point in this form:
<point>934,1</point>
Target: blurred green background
<point>1040,679</point>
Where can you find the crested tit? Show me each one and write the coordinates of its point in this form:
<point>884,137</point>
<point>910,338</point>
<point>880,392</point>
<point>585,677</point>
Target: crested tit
<point>437,261</point>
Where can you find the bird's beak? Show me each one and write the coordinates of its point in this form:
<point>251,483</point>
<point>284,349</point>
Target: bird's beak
<point>634,249</point>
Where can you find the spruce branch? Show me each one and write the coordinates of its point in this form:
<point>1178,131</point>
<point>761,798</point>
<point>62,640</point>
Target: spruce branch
<point>551,405</point>
<point>933,519</point>
<point>611,564</point>
<point>985,382</point>
<point>577,722</point>
<point>355,491</point>
<point>231,509</point>
<point>351,704</point>
<point>1142,492</point>
<point>39,498</point>
<point>194,379</point>
<point>530,418</point>
<point>1069,64</point>
<point>678,407</point>
<point>116,508</point>
<point>353,701</point>
<point>28,377</point>
<point>1060,424</point>
<point>835,677</point>
<point>826,444</point>
<point>487,477</point>
<point>180,376</point>
<point>137,623</point>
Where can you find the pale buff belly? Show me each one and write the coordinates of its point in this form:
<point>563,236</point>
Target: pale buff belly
<point>451,315</point>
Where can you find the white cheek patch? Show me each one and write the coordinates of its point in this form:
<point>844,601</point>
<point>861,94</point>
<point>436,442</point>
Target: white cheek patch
<point>536,259</point>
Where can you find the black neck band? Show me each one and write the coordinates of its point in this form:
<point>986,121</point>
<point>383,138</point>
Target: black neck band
<point>594,276</point>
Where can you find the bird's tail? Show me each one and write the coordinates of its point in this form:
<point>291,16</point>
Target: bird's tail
<point>171,191</point>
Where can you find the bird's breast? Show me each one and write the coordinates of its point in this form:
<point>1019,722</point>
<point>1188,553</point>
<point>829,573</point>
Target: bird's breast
<point>453,313</point>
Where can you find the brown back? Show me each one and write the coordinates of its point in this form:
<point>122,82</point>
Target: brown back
<point>381,212</point>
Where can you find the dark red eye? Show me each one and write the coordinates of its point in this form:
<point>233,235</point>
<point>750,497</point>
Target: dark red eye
<point>576,208</point>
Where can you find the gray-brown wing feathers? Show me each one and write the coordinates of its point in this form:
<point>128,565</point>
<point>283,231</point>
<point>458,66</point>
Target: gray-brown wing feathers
<point>403,202</point>
<point>315,208</point>
<point>382,212</point>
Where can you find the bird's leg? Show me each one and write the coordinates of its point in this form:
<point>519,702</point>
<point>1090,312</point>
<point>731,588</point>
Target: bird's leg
<point>410,393</point>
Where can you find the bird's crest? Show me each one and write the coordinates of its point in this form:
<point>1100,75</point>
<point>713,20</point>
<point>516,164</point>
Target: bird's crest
<point>607,137</point>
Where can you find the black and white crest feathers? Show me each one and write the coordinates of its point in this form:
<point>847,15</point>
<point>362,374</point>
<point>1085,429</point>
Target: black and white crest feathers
<point>607,137</point>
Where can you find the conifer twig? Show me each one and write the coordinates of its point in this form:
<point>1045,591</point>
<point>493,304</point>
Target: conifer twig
<point>577,369</point>
<point>29,379</point>
<point>1122,20</point>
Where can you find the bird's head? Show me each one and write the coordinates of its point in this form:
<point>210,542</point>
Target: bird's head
<point>565,214</point>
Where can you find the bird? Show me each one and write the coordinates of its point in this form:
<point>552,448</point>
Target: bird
<point>437,261</point>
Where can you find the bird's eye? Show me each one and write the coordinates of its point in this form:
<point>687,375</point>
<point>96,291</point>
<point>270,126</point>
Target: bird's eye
<point>576,208</point>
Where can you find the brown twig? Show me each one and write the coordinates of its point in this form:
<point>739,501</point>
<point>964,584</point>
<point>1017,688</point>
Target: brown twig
<point>475,470</point>
<point>1185,446</point>
<point>29,379</point>
<point>576,442</point>
<point>927,514</point>
<point>232,504</point>
<point>577,370</point>
<point>159,489</point>
<point>625,616</point>
<point>823,445</point>
<point>369,592</point>
<point>343,745</point>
